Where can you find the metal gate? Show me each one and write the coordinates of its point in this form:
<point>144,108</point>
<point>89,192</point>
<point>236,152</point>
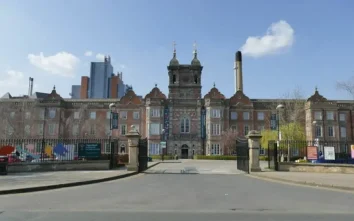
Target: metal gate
<point>114,157</point>
<point>242,152</point>
<point>143,155</point>
<point>273,155</point>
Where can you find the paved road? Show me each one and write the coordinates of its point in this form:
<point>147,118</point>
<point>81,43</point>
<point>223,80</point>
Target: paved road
<point>181,197</point>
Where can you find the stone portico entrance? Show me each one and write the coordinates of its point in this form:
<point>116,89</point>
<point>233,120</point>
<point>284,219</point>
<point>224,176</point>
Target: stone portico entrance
<point>184,151</point>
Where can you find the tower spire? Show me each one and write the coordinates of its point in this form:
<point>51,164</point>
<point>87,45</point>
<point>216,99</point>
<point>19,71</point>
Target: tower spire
<point>174,49</point>
<point>195,49</point>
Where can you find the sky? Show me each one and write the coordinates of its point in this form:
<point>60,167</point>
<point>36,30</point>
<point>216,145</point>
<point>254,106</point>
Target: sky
<point>285,44</point>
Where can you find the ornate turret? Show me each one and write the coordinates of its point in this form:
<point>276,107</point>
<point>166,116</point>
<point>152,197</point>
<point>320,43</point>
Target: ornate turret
<point>195,61</point>
<point>174,61</point>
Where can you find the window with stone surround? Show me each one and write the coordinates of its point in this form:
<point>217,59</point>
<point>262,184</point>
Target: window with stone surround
<point>185,125</point>
<point>343,132</point>
<point>246,115</point>
<point>93,115</point>
<point>233,115</point>
<point>154,129</point>
<point>215,129</point>
<point>154,149</point>
<point>136,115</point>
<point>123,115</point>
<point>318,131</point>
<point>260,115</point>
<point>76,115</point>
<point>318,115</point>
<point>155,112</point>
<point>123,129</point>
<point>330,131</point>
<point>215,149</point>
<point>28,115</point>
<point>51,113</point>
<point>215,113</point>
<point>51,129</point>
<point>342,117</point>
<point>330,115</point>
<point>246,129</point>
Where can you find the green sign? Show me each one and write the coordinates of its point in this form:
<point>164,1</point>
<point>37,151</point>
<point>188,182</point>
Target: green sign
<point>89,150</point>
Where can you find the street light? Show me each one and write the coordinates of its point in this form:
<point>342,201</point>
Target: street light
<point>279,108</point>
<point>112,106</point>
<point>163,140</point>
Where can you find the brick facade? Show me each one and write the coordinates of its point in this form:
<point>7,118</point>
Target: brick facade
<point>55,117</point>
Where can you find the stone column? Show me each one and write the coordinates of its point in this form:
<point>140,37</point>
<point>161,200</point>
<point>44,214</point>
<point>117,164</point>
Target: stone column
<point>133,145</point>
<point>254,143</point>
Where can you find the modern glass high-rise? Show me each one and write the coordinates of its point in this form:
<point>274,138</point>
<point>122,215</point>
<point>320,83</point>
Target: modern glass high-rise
<point>100,74</point>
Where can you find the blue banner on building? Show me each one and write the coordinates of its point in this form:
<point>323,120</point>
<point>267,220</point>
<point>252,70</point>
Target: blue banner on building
<point>115,118</point>
<point>166,125</point>
<point>203,121</point>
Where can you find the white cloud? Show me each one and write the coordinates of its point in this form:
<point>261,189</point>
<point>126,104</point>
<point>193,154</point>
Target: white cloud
<point>62,64</point>
<point>279,36</point>
<point>88,53</point>
<point>13,82</point>
<point>122,66</point>
<point>100,57</point>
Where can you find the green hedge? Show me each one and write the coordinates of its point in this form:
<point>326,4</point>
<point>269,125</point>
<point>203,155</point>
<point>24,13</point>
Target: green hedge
<point>165,157</point>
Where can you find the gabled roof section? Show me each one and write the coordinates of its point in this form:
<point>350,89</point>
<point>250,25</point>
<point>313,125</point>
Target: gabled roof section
<point>155,93</point>
<point>316,97</point>
<point>130,98</point>
<point>6,96</point>
<point>37,95</point>
<point>240,97</point>
<point>214,93</point>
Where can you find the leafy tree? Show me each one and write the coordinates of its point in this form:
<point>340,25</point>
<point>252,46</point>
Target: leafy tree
<point>290,131</point>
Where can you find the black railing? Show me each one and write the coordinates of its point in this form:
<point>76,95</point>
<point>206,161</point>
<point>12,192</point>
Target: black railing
<point>39,150</point>
<point>298,151</point>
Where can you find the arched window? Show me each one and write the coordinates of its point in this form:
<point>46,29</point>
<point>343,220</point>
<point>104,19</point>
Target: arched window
<point>173,79</point>
<point>185,125</point>
<point>195,79</point>
<point>122,148</point>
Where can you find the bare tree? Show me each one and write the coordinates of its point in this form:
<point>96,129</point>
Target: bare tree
<point>78,124</point>
<point>294,104</point>
<point>347,86</point>
<point>229,140</point>
<point>16,118</point>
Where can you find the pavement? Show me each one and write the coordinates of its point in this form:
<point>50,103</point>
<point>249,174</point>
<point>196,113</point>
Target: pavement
<point>28,182</point>
<point>203,196</point>
<point>329,180</point>
<point>196,167</point>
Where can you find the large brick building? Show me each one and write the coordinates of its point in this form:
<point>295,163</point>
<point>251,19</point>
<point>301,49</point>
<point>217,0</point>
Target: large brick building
<point>191,124</point>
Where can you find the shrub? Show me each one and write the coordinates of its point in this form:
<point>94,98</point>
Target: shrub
<point>263,158</point>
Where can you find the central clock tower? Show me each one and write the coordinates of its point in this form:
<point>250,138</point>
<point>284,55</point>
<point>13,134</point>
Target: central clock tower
<point>185,105</point>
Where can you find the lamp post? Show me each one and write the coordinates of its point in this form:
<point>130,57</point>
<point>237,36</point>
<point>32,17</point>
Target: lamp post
<point>112,106</point>
<point>163,141</point>
<point>279,108</point>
